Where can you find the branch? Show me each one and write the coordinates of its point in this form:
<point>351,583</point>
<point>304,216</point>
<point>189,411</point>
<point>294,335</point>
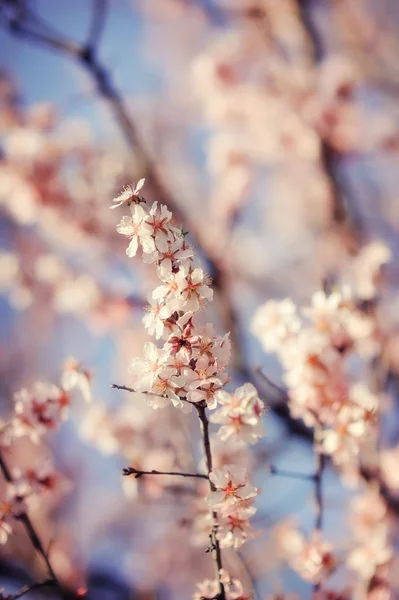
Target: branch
<point>97,24</point>
<point>33,586</point>
<point>138,473</point>
<point>33,535</point>
<point>114,386</point>
<point>216,551</point>
<point>291,474</point>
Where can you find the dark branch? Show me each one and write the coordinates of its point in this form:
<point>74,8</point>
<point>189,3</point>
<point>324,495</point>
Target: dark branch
<point>122,387</point>
<point>97,24</point>
<point>215,546</point>
<point>291,474</point>
<point>138,473</point>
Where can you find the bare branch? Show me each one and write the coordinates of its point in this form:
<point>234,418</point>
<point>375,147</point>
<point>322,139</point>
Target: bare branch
<point>138,473</point>
<point>114,386</point>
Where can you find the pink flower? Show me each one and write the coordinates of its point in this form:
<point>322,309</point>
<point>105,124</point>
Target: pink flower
<point>240,414</point>
<point>129,194</point>
<point>274,323</point>
<point>10,508</point>
<point>138,230</point>
<point>76,377</point>
<point>39,410</point>
<point>234,528</point>
<point>232,487</point>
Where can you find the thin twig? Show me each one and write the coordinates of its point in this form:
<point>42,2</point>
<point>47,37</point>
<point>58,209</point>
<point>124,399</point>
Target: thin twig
<point>215,549</point>
<point>122,387</point>
<point>138,473</point>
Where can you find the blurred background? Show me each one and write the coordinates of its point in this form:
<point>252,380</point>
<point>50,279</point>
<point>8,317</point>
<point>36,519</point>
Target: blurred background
<point>270,128</point>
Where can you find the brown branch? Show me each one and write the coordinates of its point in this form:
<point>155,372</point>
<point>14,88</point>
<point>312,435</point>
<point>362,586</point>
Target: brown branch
<point>138,473</point>
<point>33,535</point>
<point>114,386</point>
<point>215,547</point>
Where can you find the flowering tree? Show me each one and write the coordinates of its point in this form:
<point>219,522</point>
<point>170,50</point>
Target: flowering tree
<point>294,224</point>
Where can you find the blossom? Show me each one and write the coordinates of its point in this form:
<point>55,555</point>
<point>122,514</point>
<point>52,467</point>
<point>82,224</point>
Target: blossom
<point>239,414</point>
<point>10,508</point>
<point>209,588</point>
<point>193,288</point>
<point>145,370</point>
<point>231,487</point>
<point>157,313</point>
<point>312,558</point>
<point>39,410</point>
<point>129,194</point>
<point>34,480</point>
<point>234,528</point>
<point>76,377</point>
<point>275,322</point>
<point>159,219</point>
<point>138,230</point>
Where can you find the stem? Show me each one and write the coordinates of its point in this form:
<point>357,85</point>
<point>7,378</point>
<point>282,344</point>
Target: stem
<point>33,535</point>
<point>216,551</point>
<point>138,473</point>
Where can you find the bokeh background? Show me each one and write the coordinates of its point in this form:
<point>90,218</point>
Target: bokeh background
<point>270,128</point>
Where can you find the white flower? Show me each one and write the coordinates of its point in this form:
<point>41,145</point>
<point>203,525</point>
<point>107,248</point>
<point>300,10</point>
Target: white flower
<point>76,377</point>
<point>39,410</point>
<point>145,371</point>
<point>138,230</point>
<point>193,288</point>
<point>232,486</point>
<point>234,529</point>
<point>274,323</point>
<point>157,312</point>
<point>159,219</point>
<point>129,194</point>
<point>240,414</point>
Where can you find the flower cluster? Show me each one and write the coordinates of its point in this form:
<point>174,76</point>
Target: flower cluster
<point>370,526</point>
<point>10,508</point>
<point>314,349</point>
<point>233,500</point>
<point>209,588</point>
<point>311,558</point>
<point>190,367</point>
<point>39,410</point>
